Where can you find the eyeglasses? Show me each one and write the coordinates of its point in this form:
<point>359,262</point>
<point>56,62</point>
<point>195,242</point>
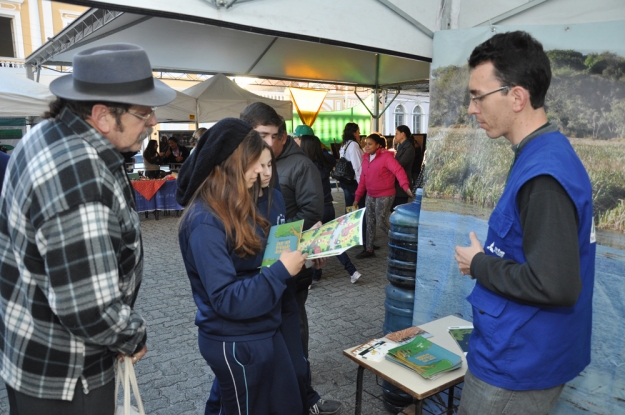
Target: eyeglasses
<point>145,118</point>
<point>479,98</point>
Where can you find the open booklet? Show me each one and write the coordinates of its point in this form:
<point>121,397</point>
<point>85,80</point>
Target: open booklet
<point>331,239</point>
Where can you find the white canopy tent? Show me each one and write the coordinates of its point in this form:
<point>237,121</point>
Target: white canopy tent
<point>21,97</point>
<point>374,43</point>
<point>378,44</point>
<point>214,99</point>
<point>195,37</point>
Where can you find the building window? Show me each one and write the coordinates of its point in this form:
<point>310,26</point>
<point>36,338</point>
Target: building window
<point>6,38</point>
<point>399,115</point>
<point>68,16</point>
<point>416,120</point>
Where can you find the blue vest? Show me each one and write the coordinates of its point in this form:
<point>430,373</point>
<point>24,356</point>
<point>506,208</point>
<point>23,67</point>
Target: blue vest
<point>523,347</point>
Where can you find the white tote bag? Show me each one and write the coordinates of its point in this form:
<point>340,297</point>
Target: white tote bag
<point>126,374</point>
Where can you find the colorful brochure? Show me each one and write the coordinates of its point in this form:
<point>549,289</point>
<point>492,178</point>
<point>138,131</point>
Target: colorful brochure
<point>334,237</point>
<point>331,239</point>
<point>281,238</point>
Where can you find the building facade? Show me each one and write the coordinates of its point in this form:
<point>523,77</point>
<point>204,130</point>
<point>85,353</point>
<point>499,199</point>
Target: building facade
<point>409,108</point>
<point>25,25</point>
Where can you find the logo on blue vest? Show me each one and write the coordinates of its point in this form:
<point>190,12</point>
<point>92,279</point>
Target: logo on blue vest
<point>492,248</point>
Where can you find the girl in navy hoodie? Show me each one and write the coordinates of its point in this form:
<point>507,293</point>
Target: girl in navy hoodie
<point>222,237</point>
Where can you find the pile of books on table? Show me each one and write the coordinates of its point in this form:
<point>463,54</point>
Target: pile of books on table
<point>412,349</point>
<point>424,357</point>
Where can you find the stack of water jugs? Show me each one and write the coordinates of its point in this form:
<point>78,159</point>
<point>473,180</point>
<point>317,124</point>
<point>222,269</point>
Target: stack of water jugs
<point>400,293</point>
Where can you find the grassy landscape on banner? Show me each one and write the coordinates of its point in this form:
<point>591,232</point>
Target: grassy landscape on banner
<point>479,176</point>
<point>586,101</point>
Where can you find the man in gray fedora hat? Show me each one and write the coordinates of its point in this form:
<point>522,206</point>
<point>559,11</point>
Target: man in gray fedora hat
<point>71,255</point>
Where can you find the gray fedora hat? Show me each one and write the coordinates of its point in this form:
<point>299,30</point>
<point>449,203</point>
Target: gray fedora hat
<point>117,72</point>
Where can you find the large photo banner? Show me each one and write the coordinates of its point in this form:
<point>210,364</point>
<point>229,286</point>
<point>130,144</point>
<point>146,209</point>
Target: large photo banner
<point>466,173</point>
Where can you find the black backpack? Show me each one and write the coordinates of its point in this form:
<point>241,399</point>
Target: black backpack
<point>344,171</point>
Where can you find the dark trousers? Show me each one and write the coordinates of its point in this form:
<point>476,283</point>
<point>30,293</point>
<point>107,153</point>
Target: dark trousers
<point>290,329</point>
<point>254,377</point>
<point>301,296</point>
<point>99,401</point>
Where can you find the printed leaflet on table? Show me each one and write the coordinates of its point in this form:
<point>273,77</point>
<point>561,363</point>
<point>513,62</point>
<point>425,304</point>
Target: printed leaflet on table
<point>461,335</point>
<point>376,349</point>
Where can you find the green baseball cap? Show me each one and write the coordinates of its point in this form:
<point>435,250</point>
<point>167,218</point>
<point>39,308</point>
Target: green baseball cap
<point>303,130</point>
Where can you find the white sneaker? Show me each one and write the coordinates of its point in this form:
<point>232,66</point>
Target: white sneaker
<point>355,276</point>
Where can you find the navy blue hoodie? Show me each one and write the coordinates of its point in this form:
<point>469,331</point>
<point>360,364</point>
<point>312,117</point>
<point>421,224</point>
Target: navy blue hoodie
<point>236,302</point>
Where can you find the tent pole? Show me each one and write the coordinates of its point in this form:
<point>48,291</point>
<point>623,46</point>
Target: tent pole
<point>376,93</point>
<point>376,108</point>
<point>197,114</point>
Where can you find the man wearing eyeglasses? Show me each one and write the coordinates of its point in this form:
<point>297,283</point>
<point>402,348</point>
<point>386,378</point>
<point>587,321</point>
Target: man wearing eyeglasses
<point>532,301</point>
<point>71,255</point>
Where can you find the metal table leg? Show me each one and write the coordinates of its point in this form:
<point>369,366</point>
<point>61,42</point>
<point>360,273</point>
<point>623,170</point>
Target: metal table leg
<point>450,401</point>
<point>361,371</point>
<point>418,407</point>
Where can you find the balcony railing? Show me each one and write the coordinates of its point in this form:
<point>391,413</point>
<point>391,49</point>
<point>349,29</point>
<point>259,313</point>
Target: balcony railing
<point>11,63</point>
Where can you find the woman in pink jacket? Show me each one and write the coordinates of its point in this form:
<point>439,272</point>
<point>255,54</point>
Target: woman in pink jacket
<point>377,178</point>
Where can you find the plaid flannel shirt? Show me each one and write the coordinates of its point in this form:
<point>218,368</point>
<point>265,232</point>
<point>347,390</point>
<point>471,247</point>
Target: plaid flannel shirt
<point>71,261</point>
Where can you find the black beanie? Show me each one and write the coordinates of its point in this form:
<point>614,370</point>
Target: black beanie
<point>213,148</point>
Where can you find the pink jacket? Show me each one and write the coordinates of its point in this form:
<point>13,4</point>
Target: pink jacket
<point>378,177</point>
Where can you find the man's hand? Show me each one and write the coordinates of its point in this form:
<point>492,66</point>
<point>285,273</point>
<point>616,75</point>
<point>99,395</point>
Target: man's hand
<point>135,357</point>
<point>464,255</point>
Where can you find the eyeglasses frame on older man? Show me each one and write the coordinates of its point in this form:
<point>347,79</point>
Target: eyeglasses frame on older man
<point>145,118</point>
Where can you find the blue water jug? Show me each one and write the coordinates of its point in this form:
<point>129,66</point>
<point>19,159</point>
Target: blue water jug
<point>398,307</point>
<point>405,219</point>
<point>401,273</point>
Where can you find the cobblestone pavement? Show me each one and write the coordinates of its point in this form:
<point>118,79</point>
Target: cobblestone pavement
<point>174,378</point>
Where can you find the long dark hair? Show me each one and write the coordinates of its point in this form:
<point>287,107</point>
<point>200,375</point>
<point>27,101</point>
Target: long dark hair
<point>311,146</point>
<point>151,148</point>
<point>225,192</point>
<point>348,132</point>
<point>404,129</point>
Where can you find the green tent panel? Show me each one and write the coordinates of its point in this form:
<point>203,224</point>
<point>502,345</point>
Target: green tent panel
<point>12,122</point>
<point>10,134</point>
<point>329,125</point>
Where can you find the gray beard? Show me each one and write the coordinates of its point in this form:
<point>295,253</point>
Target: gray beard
<point>145,134</point>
